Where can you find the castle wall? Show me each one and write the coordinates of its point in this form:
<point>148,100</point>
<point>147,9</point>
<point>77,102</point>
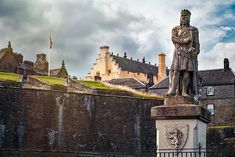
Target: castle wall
<point>50,120</point>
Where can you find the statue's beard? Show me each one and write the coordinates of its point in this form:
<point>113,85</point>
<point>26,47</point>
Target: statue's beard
<point>187,23</point>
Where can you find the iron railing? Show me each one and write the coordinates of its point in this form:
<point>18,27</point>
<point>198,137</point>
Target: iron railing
<point>199,152</point>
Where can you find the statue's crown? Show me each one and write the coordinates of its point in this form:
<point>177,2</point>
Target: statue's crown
<point>185,12</point>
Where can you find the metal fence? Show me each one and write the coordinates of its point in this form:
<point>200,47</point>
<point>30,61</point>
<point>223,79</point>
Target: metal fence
<point>196,153</point>
<point>200,152</point>
<point>103,154</point>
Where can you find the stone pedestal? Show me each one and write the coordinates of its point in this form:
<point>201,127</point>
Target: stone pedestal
<point>180,124</point>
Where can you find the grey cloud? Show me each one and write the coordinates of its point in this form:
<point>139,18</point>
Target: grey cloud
<point>76,31</point>
<point>78,28</point>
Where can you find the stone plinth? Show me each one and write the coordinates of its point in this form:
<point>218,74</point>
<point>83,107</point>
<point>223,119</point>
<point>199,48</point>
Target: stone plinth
<point>180,124</point>
<point>178,100</point>
<point>180,112</point>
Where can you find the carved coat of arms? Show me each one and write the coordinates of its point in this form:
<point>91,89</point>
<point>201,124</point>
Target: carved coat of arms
<point>176,135</point>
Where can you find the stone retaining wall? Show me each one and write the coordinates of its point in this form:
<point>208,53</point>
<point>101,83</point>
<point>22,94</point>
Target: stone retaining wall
<point>53,120</point>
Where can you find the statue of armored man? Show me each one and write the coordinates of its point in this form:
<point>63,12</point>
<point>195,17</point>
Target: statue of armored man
<point>184,68</point>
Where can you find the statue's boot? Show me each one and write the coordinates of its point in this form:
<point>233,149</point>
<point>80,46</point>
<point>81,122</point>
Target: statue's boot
<point>174,85</point>
<point>171,92</point>
<point>185,94</point>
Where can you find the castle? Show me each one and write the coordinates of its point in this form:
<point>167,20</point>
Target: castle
<point>11,61</point>
<point>107,111</point>
<point>109,66</point>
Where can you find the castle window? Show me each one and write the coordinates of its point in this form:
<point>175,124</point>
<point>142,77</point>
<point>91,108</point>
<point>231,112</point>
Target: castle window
<point>211,108</point>
<point>210,90</point>
<point>97,73</point>
<point>109,72</point>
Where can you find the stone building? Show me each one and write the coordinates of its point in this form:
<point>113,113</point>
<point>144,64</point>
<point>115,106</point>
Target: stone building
<point>40,67</point>
<point>109,66</point>
<point>61,72</point>
<point>13,62</point>
<point>9,60</point>
<point>217,95</point>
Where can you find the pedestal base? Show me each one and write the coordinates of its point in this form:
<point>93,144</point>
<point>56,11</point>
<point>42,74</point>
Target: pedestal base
<point>181,134</point>
<point>180,124</point>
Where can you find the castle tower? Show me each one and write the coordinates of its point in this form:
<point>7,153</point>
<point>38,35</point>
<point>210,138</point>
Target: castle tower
<point>161,66</point>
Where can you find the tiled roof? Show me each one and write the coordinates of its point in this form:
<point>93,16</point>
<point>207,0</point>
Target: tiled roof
<point>129,82</point>
<point>135,66</point>
<point>217,76</point>
<point>209,77</point>
<point>163,84</point>
<point>2,54</point>
<point>26,66</point>
<point>55,72</point>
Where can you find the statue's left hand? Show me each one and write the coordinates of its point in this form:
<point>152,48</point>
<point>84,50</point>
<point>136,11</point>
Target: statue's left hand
<point>193,54</point>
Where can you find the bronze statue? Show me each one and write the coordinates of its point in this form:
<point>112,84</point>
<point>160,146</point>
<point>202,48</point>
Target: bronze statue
<point>183,73</point>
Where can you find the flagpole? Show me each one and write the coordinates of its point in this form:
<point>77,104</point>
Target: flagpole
<point>49,55</point>
<point>49,61</point>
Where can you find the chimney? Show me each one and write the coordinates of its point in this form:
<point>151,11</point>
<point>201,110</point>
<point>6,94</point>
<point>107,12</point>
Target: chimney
<point>125,55</point>
<point>226,64</point>
<point>41,62</point>
<point>143,60</point>
<point>104,50</point>
<point>131,58</point>
<point>41,56</point>
<point>161,67</point>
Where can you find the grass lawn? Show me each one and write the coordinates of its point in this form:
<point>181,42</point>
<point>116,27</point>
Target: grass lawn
<point>51,80</point>
<point>96,85</point>
<point>9,77</point>
<point>102,86</point>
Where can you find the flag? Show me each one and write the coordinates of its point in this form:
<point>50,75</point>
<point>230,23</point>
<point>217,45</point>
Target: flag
<point>50,43</point>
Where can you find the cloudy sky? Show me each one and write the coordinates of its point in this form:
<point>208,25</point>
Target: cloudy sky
<point>141,28</point>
